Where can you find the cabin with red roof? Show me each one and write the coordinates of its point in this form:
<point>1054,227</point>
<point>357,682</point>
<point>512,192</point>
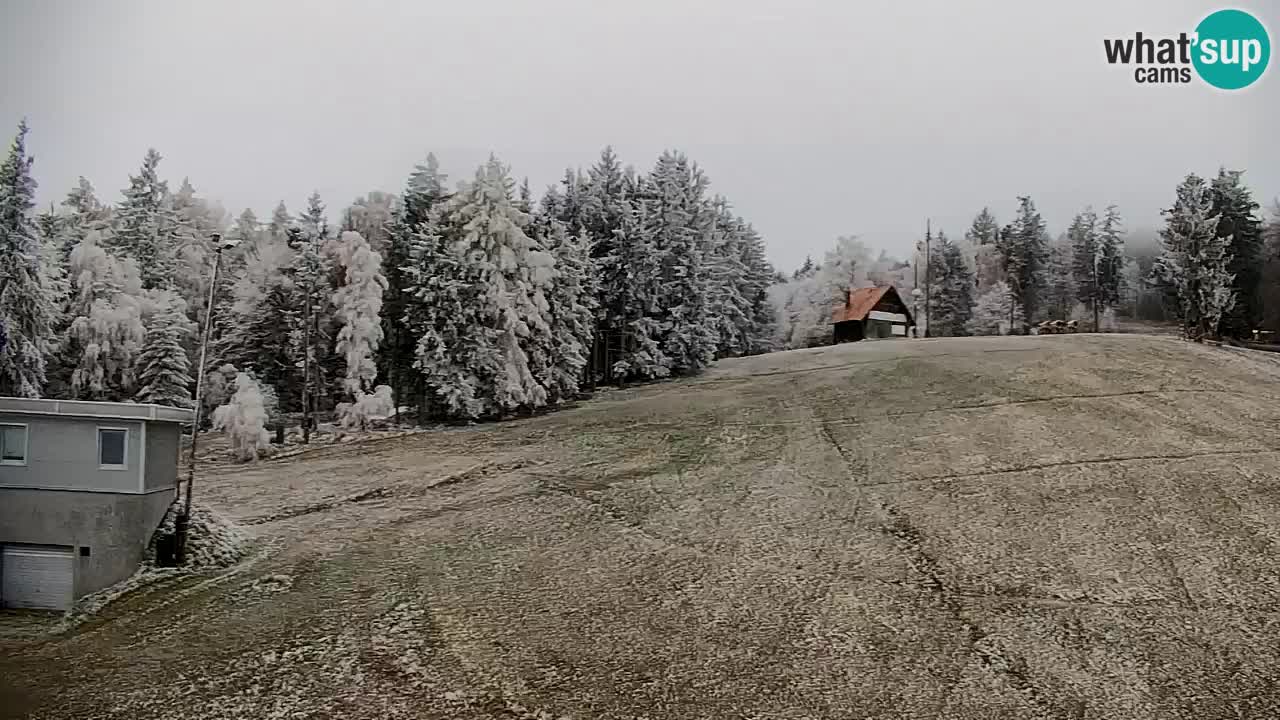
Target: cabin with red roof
<point>872,313</point>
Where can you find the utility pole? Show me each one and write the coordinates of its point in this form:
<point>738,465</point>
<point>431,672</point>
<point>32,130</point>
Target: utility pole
<point>183,520</point>
<point>306,362</point>
<point>928,276</point>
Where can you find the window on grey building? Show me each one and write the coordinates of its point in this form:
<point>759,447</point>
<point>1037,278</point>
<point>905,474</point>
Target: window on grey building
<point>13,444</point>
<point>111,447</point>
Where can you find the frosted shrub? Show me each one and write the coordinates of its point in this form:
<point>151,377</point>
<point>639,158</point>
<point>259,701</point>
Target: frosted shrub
<point>367,407</point>
<point>243,419</point>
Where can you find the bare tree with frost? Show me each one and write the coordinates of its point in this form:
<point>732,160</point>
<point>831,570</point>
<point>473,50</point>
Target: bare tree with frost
<point>106,332</point>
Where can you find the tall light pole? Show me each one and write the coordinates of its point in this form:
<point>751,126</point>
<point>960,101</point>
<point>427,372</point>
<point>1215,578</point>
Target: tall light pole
<point>184,518</point>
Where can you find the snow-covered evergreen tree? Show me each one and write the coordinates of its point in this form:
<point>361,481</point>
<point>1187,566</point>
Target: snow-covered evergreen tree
<point>81,213</point>
<point>727,305</point>
<point>27,305</point>
<point>572,302</point>
<point>244,419</point>
<point>437,301</point>
<point>984,230</point>
<point>1024,251</point>
<point>1110,263</point>
<point>424,192</point>
<point>997,312</point>
<point>263,321</point>
<point>1238,221</point>
<point>678,219</point>
<point>50,230</point>
<point>145,225</point>
<point>281,221</point>
<point>1086,254</point>
<point>759,277</point>
<point>492,275</point>
<point>807,269</point>
<point>164,376</point>
<point>951,298</point>
<point>633,331</point>
<point>1270,285</point>
<point>106,331</point>
<point>315,276</point>
<point>1193,267</point>
<point>374,217</point>
<point>1060,282</point>
<point>358,306</point>
<point>1132,286</point>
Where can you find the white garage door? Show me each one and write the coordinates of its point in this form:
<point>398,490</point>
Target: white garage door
<point>37,577</point>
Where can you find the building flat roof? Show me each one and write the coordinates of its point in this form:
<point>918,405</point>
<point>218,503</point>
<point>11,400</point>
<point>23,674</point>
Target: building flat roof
<point>90,409</point>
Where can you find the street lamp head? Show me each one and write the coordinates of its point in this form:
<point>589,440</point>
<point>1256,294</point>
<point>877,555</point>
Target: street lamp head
<point>220,242</point>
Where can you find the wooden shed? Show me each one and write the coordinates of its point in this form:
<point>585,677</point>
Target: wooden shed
<point>872,313</point>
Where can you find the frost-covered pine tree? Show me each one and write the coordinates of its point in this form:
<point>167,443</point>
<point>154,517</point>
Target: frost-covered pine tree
<point>759,277</point>
<point>374,217</point>
<point>952,293</point>
<point>727,305</point>
<point>27,308</point>
<point>281,221</point>
<point>164,376</point>
<point>1024,251</point>
<point>807,269</point>
<point>993,312</point>
<point>144,225</point>
<point>244,419</point>
<point>262,323</point>
<point>54,278</point>
<point>81,213</point>
<point>632,329</point>
<point>1086,256</point>
<point>983,236</point>
<point>1060,285</point>
<point>678,218</point>
<point>1193,267</point>
<point>436,315</point>
<point>1270,285</point>
<point>357,307</point>
<point>503,274</point>
<point>1111,261</point>
<point>572,308</point>
<point>315,277</point>
<point>425,191</point>
<point>1237,214</point>
<point>106,331</point>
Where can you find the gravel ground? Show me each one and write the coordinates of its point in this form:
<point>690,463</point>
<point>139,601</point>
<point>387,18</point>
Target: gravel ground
<point>1041,527</point>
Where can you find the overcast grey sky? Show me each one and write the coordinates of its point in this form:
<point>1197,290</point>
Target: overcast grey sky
<point>816,119</point>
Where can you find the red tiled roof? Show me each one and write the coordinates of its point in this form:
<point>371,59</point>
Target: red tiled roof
<point>861,302</point>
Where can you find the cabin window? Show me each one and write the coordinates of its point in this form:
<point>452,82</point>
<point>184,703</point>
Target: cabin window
<point>13,444</point>
<point>112,446</point>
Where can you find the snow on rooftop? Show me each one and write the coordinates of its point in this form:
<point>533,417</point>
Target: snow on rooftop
<point>95,409</point>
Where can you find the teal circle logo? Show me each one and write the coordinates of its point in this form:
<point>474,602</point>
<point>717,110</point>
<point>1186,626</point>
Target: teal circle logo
<point>1231,50</point>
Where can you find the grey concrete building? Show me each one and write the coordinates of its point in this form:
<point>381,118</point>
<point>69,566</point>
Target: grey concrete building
<point>83,485</point>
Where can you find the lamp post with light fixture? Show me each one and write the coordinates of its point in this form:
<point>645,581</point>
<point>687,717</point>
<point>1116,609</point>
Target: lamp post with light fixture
<point>183,520</point>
